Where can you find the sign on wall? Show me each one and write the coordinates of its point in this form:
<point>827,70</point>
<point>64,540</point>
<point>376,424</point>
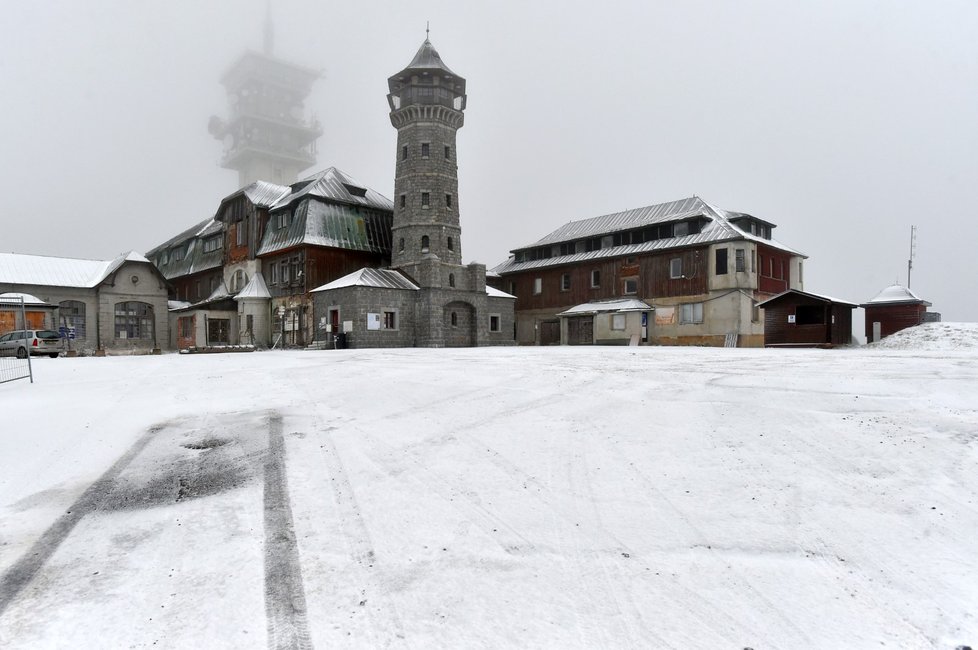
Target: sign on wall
<point>373,321</point>
<point>665,315</point>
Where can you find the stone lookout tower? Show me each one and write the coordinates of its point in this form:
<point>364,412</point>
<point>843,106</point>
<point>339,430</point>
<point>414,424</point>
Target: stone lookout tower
<point>426,100</point>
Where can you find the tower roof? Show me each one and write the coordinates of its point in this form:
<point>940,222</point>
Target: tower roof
<point>426,60</point>
<point>896,294</point>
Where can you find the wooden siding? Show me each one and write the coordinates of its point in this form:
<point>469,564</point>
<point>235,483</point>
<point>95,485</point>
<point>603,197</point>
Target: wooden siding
<point>319,266</point>
<point>185,288</point>
<point>893,318</point>
<point>650,271</point>
<point>773,270</point>
<point>835,330</point>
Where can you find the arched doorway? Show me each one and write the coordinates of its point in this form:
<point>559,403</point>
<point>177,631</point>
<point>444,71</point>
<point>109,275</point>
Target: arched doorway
<point>459,325</point>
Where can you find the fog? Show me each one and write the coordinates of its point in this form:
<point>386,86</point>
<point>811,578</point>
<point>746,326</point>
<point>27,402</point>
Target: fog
<point>844,122</point>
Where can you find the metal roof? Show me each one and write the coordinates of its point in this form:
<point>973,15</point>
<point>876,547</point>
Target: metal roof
<point>807,294</point>
<point>493,292</point>
<point>620,305</point>
<point>896,294</point>
<point>265,194</point>
<point>256,288</point>
<point>333,184</point>
<point>190,244</point>
<point>427,58</point>
<point>335,225</point>
<point>60,271</point>
<point>368,277</point>
<point>718,229</point>
<point>13,298</point>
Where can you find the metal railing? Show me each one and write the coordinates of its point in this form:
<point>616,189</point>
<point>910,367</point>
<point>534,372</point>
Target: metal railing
<point>12,365</point>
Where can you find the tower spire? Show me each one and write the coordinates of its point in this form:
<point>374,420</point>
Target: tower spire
<point>269,42</point>
<point>427,29</point>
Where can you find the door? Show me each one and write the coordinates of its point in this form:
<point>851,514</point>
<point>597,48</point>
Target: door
<point>7,321</point>
<point>218,331</point>
<point>35,320</point>
<point>580,330</point>
<point>550,332</point>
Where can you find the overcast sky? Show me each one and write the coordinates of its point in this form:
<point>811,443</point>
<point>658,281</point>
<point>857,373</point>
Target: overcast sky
<point>844,122</point>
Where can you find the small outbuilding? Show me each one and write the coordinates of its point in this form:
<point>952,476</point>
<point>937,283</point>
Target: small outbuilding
<point>800,319</point>
<point>895,308</point>
<point>606,322</point>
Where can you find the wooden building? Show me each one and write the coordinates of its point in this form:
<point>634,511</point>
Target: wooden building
<point>800,319</point>
<point>895,308</point>
<point>701,269</point>
<point>249,270</point>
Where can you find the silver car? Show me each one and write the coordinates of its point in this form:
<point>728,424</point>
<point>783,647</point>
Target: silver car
<point>19,342</point>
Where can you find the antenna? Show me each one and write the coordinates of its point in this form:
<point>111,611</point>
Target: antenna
<point>427,29</point>
<point>913,252</point>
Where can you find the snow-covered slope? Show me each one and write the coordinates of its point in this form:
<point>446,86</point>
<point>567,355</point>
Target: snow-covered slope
<point>515,498</point>
<point>933,336</point>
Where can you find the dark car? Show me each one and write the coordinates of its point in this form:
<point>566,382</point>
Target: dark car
<point>22,342</point>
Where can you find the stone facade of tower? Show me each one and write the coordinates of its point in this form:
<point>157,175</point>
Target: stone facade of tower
<point>442,302</point>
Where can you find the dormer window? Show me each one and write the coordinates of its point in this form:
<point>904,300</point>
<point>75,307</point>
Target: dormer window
<point>355,191</point>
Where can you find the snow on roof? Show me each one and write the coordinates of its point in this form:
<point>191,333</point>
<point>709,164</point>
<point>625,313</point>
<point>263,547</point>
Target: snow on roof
<point>367,277</point>
<point>256,288</point>
<point>13,298</point>
<point>60,271</point>
<point>496,293</point>
<point>810,295</point>
<point>895,294</point>
<point>620,305</point>
<point>177,304</point>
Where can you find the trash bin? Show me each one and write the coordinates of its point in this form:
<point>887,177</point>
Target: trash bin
<point>339,341</point>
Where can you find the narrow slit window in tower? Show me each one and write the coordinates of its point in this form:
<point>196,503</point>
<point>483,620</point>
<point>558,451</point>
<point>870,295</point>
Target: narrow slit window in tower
<point>425,199</point>
<point>424,243</point>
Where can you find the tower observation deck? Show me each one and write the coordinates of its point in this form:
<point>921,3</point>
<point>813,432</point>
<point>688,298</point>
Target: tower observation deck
<point>267,135</point>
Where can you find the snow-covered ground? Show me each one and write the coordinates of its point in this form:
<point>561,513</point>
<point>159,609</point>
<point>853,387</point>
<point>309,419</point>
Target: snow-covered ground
<point>524,497</point>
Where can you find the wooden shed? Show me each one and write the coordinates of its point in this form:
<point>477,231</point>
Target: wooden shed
<point>895,308</point>
<point>801,319</point>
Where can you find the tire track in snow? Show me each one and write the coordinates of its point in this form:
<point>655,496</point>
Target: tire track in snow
<point>22,572</point>
<point>285,599</point>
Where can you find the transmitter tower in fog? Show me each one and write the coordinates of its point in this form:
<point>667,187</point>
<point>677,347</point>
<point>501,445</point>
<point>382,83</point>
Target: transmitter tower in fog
<point>267,135</point>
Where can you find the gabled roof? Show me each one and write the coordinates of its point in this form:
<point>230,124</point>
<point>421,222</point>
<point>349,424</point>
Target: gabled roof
<point>336,225</point>
<point>717,229</point>
<point>807,295</point>
<point>334,185</point>
<point>60,271</point>
<point>600,306</point>
<point>368,277</point>
<point>256,288</point>
<point>895,294</point>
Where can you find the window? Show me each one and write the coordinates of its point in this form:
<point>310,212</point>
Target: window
<point>494,321</point>
<point>296,266</point>
<point>753,262</point>
<point>425,199</point>
<point>721,261</point>
<point>390,320</point>
<point>755,313</point>
<point>197,290</point>
<point>425,149</point>
<point>512,287</point>
<point>219,330</point>
<point>404,200</point>
<point>691,312</point>
<point>274,278</point>
<point>283,219</point>
<point>133,320</point>
<point>595,279</point>
<point>448,152</point>
<point>72,314</point>
<point>740,260</point>
<point>185,325</point>
<point>630,286</point>
<point>592,244</point>
<point>178,254</point>
<point>239,232</point>
<point>680,229</point>
<point>451,279</point>
<point>424,243</point>
<point>617,321</point>
<point>676,268</point>
<point>400,244</point>
<point>450,243</point>
<point>212,244</point>
<point>565,282</point>
<point>448,200</point>
<point>283,271</point>
<point>404,152</point>
<point>799,272</point>
<point>809,315</point>
<point>537,286</point>
<point>250,324</point>
<point>454,319</point>
<point>568,248</point>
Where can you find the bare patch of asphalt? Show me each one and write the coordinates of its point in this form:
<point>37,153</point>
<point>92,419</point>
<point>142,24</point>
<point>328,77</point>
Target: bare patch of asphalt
<point>200,475</point>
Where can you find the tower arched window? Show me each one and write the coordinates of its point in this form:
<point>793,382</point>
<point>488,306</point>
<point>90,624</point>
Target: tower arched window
<point>450,244</point>
<point>400,244</point>
<point>424,243</point>
<point>451,279</point>
<point>454,319</point>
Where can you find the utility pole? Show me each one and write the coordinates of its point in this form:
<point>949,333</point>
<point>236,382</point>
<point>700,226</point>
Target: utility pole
<point>913,252</point>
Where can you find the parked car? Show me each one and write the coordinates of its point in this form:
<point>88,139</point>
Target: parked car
<point>20,342</point>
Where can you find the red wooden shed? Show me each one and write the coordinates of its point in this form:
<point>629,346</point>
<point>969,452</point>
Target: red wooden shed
<point>801,319</point>
<point>893,309</point>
